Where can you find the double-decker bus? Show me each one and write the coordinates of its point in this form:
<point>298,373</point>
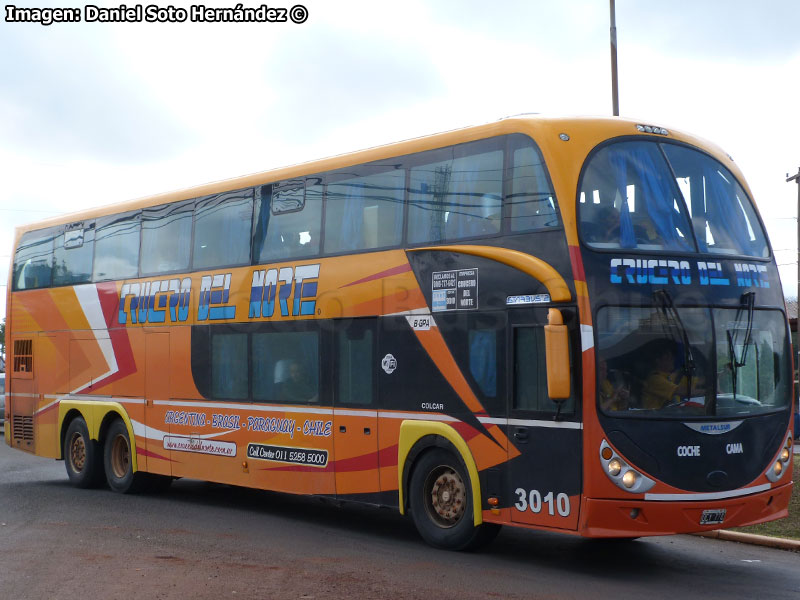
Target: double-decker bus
<point>572,325</point>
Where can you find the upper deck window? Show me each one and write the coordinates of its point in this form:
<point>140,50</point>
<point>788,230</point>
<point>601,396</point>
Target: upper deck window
<point>222,225</point>
<point>629,199</point>
<point>288,220</point>
<point>364,212</point>
<point>33,261</point>
<point>74,249</point>
<point>643,195</point>
<point>117,247</point>
<point>458,194</point>
<point>166,238</point>
<point>532,201</point>
<point>722,216</point>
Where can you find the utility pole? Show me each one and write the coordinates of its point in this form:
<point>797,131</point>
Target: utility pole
<point>796,179</point>
<point>614,86</point>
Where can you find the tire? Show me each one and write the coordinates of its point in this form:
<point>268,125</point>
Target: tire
<point>118,461</point>
<point>441,503</point>
<point>83,456</point>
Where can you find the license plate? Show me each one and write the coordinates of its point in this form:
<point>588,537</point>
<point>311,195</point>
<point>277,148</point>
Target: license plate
<point>713,516</point>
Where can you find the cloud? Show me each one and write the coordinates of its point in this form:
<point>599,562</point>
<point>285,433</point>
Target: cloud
<point>69,97</point>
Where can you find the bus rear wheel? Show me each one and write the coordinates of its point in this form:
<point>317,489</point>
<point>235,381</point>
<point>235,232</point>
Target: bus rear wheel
<point>441,503</point>
<point>83,456</point>
<point>118,461</point>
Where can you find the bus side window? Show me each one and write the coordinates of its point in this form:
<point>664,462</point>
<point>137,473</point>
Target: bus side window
<point>530,374</point>
<point>285,366</point>
<point>229,366</point>
<point>166,238</point>
<point>73,254</point>
<point>222,225</point>
<point>288,220</point>
<point>116,252</point>
<point>532,201</point>
<point>458,196</point>
<point>364,212</point>
<point>33,260</point>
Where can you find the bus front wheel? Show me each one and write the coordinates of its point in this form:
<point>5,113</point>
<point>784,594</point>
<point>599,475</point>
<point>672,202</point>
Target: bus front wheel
<point>82,456</point>
<point>441,503</point>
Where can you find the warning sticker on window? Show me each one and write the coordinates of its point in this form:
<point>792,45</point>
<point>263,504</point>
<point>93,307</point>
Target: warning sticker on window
<point>454,290</point>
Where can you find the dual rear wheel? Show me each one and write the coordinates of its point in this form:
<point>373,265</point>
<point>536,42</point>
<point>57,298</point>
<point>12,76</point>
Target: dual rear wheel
<point>89,463</point>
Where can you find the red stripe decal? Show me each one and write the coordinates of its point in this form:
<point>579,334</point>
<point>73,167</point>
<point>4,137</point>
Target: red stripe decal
<point>577,263</point>
<point>393,271</point>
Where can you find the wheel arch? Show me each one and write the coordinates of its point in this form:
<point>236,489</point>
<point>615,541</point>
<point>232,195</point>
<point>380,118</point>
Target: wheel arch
<point>418,436</point>
<point>98,417</point>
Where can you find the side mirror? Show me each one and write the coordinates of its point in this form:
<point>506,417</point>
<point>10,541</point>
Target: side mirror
<point>556,342</point>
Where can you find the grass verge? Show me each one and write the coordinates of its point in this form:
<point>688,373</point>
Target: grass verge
<point>790,526</point>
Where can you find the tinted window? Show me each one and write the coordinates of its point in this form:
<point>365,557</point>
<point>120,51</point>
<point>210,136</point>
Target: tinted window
<point>483,359</point>
<point>229,365</point>
<point>458,194</point>
<point>166,238</point>
<point>288,220</point>
<point>722,215</point>
<point>33,260</point>
<point>117,247</point>
<point>73,254</point>
<point>355,360</point>
<point>654,361</point>
<point>364,212</point>
<point>530,374</point>
<point>629,199</point>
<point>222,226</point>
<point>286,366</point>
<point>532,200</point>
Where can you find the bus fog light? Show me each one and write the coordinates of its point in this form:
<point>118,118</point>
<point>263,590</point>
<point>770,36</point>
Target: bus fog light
<point>777,468</point>
<point>614,467</point>
<point>629,479</point>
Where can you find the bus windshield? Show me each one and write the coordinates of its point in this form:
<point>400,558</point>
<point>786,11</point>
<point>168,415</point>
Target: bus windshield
<point>655,196</point>
<point>664,361</point>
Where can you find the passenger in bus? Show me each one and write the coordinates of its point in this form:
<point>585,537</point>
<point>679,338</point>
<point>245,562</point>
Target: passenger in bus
<point>664,384</point>
<point>613,395</point>
<point>604,228</point>
<point>297,387</point>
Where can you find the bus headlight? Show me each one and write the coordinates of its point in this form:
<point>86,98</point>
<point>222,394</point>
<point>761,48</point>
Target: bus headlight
<point>621,473</point>
<point>629,479</point>
<point>775,472</point>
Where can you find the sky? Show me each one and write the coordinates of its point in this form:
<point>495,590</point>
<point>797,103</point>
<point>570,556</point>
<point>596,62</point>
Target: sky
<point>97,113</point>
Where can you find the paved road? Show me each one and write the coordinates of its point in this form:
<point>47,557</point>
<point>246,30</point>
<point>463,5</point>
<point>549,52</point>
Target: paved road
<point>210,541</point>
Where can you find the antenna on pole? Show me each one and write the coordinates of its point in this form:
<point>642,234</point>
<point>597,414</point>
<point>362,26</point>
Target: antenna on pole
<point>614,86</point>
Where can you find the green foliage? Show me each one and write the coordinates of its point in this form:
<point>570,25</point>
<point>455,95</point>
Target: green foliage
<point>788,527</point>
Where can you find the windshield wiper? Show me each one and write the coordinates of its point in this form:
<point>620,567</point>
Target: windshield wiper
<point>748,303</point>
<point>674,319</point>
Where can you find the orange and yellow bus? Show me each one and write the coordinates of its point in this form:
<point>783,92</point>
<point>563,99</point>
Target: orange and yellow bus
<point>572,325</point>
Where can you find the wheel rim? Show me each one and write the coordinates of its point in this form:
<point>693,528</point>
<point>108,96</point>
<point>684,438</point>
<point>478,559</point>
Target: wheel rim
<point>77,452</point>
<point>120,456</point>
<point>445,496</point>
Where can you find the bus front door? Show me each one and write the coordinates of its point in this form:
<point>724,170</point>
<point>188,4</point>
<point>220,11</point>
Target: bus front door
<point>544,474</point>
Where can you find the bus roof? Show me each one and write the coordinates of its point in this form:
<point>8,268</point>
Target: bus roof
<point>584,133</point>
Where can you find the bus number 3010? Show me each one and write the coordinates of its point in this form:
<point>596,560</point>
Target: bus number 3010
<point>534,501</point>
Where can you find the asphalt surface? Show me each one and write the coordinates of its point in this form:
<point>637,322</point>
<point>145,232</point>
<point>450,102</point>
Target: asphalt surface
<point>203,540</point>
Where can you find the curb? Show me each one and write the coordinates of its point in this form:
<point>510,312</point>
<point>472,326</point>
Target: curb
<point>751,538</point>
